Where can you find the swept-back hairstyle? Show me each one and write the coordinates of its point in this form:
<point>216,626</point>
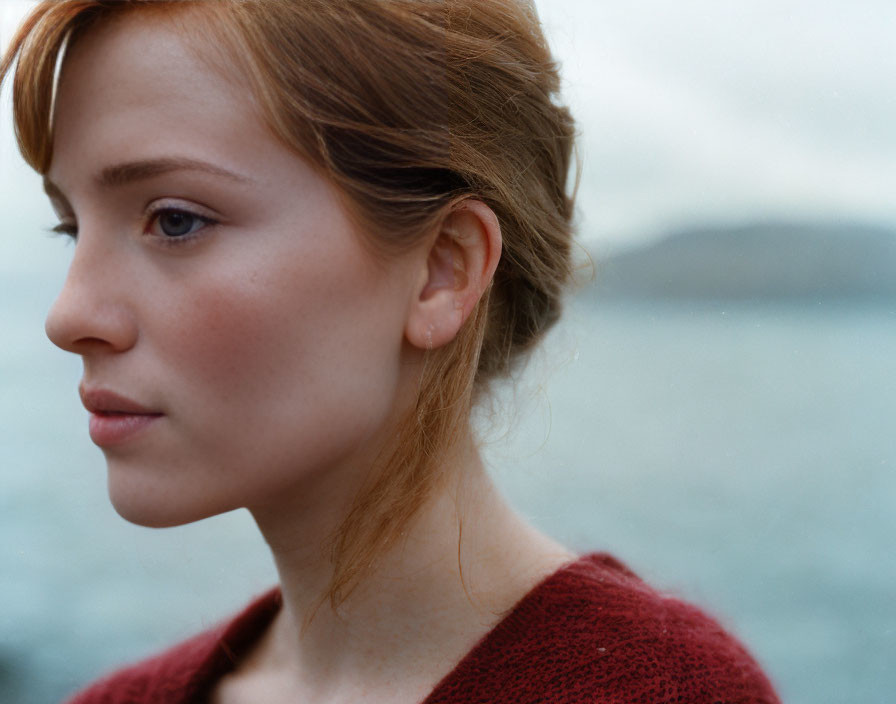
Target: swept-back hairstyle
<point>408,107</point>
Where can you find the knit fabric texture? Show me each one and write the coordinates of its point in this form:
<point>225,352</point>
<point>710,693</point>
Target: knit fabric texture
<point>590,633</point>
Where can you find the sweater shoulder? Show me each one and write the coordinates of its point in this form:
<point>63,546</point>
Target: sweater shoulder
<point>671,650</point>
<point>168,674</point>
<point>595,632</point>
<point>186,671</point>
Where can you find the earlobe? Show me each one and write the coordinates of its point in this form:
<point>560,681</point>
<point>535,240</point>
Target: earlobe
<point>460,264</point>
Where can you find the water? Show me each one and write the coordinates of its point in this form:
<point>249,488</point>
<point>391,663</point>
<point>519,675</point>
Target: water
<point>741,457</point>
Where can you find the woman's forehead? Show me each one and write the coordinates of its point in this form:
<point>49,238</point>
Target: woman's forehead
<point>161,38</point>
<point>133,89</point>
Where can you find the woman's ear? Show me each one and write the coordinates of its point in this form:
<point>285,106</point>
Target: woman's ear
<point>459,267</point>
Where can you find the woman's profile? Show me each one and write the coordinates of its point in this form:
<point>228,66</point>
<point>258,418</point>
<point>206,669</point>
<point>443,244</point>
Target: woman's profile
<point>309,235</point>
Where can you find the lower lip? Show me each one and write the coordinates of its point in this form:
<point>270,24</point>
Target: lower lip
<point>114,428</point>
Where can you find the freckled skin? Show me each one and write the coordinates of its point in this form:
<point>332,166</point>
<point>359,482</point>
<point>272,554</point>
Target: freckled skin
<point>272,342</point>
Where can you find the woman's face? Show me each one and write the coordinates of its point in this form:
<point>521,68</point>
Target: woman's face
<point>217,285</point>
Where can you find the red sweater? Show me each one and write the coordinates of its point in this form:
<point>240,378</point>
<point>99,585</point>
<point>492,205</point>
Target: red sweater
<point>590,633</point>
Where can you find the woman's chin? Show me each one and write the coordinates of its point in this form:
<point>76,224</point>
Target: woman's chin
<point>156,509</point>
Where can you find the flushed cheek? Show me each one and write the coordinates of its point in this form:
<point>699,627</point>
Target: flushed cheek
<point>280,368</point>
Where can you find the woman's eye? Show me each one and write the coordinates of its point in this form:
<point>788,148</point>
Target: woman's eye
<point>177,223</point>
<point>66,228</point>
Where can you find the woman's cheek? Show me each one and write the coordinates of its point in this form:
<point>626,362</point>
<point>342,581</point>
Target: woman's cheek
<point>230,337</point>
<point>278,349</point>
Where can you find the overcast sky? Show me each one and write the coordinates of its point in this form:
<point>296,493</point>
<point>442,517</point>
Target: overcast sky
<point>691,111</point>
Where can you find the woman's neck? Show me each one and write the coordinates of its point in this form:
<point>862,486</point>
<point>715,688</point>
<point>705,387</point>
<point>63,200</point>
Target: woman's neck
<point>463,562</point>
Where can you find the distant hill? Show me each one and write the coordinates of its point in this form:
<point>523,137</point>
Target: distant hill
<point>757,261</point>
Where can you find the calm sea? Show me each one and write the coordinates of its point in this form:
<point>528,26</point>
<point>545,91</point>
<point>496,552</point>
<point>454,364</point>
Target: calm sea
<point>742,457</point>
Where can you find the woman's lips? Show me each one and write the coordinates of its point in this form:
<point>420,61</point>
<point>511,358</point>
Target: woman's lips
<point>107,429</point>
<point>115,419</point>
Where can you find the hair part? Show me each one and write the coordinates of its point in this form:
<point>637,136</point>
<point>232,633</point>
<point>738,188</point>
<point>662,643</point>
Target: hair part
<point>407,106</point>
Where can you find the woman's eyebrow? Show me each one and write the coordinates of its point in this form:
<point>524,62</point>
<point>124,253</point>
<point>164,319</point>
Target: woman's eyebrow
<point>54,192</point>
<point>132,171</point>
<point>129,172</point>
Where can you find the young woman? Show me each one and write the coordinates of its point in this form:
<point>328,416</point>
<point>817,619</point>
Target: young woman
<point>308,235</point>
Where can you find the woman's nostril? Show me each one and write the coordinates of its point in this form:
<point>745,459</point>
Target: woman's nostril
<point>81,320</point>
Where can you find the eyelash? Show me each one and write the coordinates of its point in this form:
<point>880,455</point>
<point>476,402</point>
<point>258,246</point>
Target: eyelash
<point>65,230</point>
<point>154,213</point>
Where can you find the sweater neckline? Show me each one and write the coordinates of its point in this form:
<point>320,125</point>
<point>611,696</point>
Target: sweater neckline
<point>515,624</point>
<point>239,635</point>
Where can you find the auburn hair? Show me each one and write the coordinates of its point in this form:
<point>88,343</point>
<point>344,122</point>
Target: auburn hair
<point>408,107</point>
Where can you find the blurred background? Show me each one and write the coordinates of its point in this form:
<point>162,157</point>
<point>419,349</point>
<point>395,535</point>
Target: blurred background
<point>717,408</point>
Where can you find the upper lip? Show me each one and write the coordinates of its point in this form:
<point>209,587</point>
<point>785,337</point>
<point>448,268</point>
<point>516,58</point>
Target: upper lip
<point>105,401</point>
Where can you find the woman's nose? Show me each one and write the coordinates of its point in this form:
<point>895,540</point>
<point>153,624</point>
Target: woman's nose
<point>91,313</point>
